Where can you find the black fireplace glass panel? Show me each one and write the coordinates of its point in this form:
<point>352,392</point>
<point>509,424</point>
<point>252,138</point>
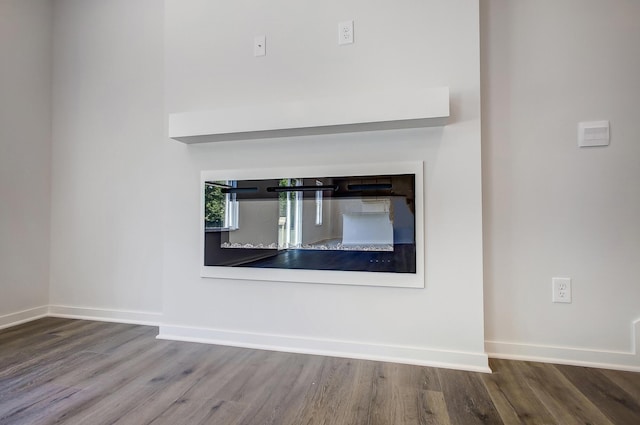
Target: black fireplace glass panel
<point>348,223</point>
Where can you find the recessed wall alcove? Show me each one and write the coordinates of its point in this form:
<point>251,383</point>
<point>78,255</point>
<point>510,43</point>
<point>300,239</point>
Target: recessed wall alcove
<point>360,224</point>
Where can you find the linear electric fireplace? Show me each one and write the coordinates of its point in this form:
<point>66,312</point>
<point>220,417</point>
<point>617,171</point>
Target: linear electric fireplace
<point>360,224</point>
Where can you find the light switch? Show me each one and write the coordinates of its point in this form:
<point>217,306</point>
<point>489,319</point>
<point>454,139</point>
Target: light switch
<point>260,45</point>
<point>593,133</point>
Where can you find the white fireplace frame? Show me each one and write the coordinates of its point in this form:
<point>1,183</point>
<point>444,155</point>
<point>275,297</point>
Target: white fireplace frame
<point>334,277</point>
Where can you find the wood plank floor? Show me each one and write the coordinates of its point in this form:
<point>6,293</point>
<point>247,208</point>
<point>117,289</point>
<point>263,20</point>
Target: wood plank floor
<point>60,371</point>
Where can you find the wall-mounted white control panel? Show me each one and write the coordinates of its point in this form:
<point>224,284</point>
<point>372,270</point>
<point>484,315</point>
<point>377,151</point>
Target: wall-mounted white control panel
<point>593,133</point>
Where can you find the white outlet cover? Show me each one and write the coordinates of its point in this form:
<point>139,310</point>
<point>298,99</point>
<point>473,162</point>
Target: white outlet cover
<point>345,32</point>
<point>593,133</point>
<point>561,290</point>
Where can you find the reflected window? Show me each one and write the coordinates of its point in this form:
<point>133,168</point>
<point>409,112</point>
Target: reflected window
<point>318,204</point>
<point>221,206</point>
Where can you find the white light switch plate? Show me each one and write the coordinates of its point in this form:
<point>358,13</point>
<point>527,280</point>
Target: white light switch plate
<point>593,133</point>
<point>260,45</point>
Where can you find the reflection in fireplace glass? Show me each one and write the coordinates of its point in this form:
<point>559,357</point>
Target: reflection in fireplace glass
<point>351,223</point>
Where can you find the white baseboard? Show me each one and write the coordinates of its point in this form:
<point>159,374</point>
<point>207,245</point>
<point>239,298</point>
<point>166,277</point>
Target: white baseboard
<point>618,360</point>
<point>13,319</point>
<point>471,361</point>
<point>106,315</point>
<point>476,362</point>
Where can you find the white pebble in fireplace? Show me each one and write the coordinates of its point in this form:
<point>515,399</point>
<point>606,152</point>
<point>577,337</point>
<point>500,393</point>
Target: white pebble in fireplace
<point>353,224</point>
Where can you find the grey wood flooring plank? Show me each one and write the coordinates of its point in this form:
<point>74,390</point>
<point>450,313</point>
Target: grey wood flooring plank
<point>438,407</point>
<point>14,386</point>
<point>406,394</point>
<point>613,401</point>
<point>339,393</point>
<point>48,326</point>
<point>222,365</point>
<point>468,401</point>
<point>53,408</point>
<point>58,409</point>
<point>96,387</point>
<point>14,410</point>
<point>197,412</point>
<point>301,390</point>
<point>513,398</point>
<point>226,378</point>
<point>628,381</point>
<point>31,329</point>
<point>348,401</point>
<point>104,365</point>
<point>268,402</point>
<point>41,364</point>
<point>214,374</point>
<point>561,398</point>
<point>175,382</point>
<point>40,339</point>
<point>280,392</point>
<point>254,376</point>
<point>57,347</point>
<point>410,376</point>
<point>118,393</point>
<point>128,334</point>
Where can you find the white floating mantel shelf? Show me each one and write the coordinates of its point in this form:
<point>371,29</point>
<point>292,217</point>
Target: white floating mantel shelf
<point>420,108</point>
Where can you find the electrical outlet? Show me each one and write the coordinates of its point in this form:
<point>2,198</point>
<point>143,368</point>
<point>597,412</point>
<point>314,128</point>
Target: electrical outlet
<point>345,32</point>
<point>561,287</point>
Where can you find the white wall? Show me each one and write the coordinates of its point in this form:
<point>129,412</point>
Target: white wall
<point>551,208</point>
<point>108,125</point>
<point>25,155</point>
<point>399,46</point>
